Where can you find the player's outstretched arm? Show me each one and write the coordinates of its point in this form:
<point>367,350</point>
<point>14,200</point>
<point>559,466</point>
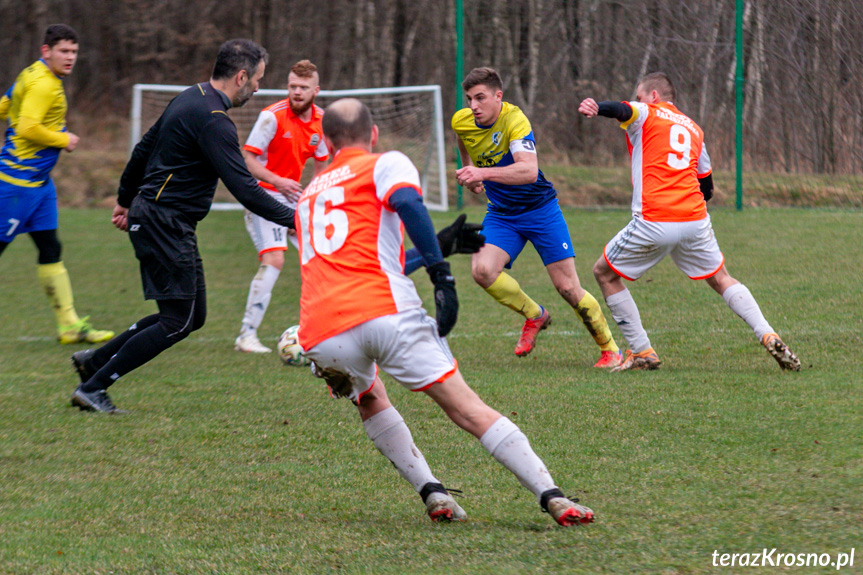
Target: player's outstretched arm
<point>620,111</point>
<point>285,186</point>
<point>459,237</point>
<point>219,146</point>
<point>408,205</point>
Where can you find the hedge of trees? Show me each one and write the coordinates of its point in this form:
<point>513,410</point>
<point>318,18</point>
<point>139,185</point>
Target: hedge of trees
<point>804,59</point>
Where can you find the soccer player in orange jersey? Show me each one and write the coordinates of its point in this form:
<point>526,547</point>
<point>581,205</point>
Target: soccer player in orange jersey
<point>286,135</point>
<point>359,312</point>
<point>671,179</point>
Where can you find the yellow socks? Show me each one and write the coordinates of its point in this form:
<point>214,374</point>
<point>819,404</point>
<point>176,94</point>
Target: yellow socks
<point>507,292</point>
<point>591,314</point>
<point>55,283</point>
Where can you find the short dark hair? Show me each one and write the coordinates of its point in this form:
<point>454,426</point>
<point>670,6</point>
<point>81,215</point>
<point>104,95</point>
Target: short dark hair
<point>660,82</point>
<point>57,33</point>
<point>485,76</point>
<point>236,55</point>
<point>347,121</point>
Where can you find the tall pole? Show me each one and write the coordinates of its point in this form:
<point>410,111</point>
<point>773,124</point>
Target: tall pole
<point>738,82</point>
<point>459,74</point>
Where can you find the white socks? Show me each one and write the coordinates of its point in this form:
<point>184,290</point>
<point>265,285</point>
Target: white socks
<point>625,314</point>
<point>260,292</point>
<point>391,436</point>
<point>505,441</point>
<point>743,304</point>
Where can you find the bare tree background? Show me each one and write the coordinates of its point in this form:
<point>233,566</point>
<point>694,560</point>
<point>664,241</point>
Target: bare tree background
<point>804,60</point>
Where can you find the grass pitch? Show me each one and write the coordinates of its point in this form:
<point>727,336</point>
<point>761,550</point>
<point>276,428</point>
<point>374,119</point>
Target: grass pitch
<point>233,463</point>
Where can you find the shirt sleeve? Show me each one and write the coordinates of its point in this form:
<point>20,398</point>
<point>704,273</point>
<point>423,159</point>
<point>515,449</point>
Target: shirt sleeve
<point>322,154</point>
<point>408,204</point>
<point>5,103</point>
<point>639,116</point>
<point>394,170</point>
<point>32,130</point>
<point>518,128</point>
<point>38,97</point>
<point>218,141</point>
<point>262,133</point>
<point>705,168</point>
<point>133,174</point>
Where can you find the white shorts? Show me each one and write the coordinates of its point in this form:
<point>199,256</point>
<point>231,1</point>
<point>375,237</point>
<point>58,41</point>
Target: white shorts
<point>268,236</point>
<point>641,245</point>
<point>405,345</point>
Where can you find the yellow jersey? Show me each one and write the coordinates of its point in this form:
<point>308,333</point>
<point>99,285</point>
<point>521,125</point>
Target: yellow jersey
<point>35,107</point>
<point>494,145</point>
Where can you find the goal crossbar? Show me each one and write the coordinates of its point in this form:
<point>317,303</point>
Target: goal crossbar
<point>431,162</point>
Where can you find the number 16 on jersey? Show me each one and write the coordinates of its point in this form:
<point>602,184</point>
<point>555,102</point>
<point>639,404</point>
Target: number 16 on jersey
<point>327,231</point>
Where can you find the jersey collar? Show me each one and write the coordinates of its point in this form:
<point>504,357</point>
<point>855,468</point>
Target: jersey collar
<point>315,114</point>
<point>348,153</point>
<point>224,97</point>
<point>44,63</point>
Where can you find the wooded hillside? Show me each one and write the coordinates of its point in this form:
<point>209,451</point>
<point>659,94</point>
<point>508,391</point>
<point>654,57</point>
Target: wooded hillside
<point>804,60</point>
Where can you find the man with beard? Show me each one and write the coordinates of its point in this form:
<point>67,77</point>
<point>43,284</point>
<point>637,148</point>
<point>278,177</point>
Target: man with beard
<point>284,137</point>
<point>165,190</point>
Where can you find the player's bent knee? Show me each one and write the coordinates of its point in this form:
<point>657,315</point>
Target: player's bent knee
<point>599,269</point>
<point>484,275</point>
<point>274,259</point>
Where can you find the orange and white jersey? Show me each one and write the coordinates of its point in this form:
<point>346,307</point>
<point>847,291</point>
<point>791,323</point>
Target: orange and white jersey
<point>352,244</point>
<point>283,142</point>
<point>668,157</point>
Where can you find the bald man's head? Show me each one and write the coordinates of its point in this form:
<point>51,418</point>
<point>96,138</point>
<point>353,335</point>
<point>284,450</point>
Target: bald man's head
<point>348,122</point>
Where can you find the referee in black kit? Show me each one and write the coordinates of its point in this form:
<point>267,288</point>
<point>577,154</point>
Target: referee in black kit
<point>166,189</point>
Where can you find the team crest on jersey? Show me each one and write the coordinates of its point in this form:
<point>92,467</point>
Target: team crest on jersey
<point>315,140</point>
<point>495,138</point>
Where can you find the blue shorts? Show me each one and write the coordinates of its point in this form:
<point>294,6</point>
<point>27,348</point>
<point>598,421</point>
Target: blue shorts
<point>25,210</point>
<point>544,227</point>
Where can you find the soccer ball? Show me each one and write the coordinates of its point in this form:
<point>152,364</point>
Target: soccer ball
<point>290,351</point>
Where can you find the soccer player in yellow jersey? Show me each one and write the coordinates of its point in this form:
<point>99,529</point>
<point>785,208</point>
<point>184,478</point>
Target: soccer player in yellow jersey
<point>35,107</point>
<point>498,146</point>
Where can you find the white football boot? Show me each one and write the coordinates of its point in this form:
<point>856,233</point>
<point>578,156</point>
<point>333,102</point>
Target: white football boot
<point>250,344</point>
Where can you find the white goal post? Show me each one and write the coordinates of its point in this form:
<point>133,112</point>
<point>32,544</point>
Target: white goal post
<point>410,119</point>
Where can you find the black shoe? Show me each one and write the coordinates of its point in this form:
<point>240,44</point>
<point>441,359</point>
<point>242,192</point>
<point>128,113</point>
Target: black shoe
<point>94,401</point>
<point>79,362</point>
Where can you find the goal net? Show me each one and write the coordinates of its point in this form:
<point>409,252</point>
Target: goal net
<point>410,119</point>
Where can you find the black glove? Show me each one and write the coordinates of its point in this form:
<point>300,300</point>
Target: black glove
<point>460,237</point>
<point>445,298</point>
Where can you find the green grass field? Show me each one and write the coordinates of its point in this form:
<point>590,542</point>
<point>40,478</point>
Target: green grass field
<point>230,463</point>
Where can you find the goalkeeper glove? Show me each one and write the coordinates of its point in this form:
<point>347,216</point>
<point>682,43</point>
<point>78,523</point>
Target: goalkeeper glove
<point>460,237</point>
<point>445,297</point>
